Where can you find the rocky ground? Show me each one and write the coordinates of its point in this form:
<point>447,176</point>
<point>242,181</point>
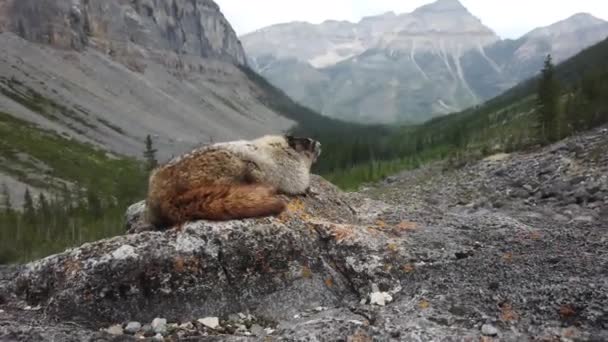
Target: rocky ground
<point>511,248</point>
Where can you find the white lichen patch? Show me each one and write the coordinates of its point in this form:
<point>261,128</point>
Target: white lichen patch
<point>124,252</point>
<point>187,243</point>
<point>380,298</point>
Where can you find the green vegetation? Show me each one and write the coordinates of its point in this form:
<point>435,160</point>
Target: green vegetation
<point>86,189</point>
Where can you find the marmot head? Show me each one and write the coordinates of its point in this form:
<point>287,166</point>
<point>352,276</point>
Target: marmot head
<point>310,147</point>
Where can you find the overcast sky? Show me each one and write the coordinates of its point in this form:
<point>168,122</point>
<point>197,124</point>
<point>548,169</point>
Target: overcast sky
<point>509,18</point>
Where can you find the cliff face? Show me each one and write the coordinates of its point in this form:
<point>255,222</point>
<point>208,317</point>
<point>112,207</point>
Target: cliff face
<point>125,27</point>
<point>108,73</point>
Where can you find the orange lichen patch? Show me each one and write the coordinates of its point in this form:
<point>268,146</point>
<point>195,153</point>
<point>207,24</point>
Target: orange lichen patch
<point>424,304</point>
<point>381,224</point>
<point>407,226</point>
<point>373,230</point>
<point>507,313</point>
<point>295,206</point>
<point>409,268</point>
<point>178,264</point>
<point>329,282</point>
<point>306,272</point>
<point>359,336</point>
<point>566,311</point>
<point>507,257</point>
<point>185,264</point>
<point>570,332</point>
<point>393,247</point>
<point>486,339</point>
<point>535,235</point>
<point>341,232</point>
<point>72,266</point>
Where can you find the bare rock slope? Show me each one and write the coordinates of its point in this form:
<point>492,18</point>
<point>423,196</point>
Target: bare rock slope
<point>99,69</point>
<point>437,255</point>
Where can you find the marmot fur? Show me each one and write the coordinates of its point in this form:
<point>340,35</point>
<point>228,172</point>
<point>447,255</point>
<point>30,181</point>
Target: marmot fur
<point>231,180</point>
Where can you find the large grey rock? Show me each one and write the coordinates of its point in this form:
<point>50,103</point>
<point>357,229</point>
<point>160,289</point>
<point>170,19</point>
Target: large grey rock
<point>316,254</point>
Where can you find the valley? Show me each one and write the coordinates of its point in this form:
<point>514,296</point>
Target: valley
<point>461,193</point>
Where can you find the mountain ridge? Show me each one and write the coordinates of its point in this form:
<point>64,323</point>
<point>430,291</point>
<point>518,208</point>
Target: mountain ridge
<point>408,67</point>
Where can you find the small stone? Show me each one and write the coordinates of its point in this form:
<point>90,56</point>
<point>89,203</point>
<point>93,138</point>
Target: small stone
<point>320,308</point>
<point>187,326</point>
<point>296,316</point>
<point>380,298</point>
<point>268,331</point>
<point>242,315</point>
<point>241,328</point>
<point>1,311</point>
<point>560,218</point>
<point>147,330</point>
<point>158,337</point>
<point>133,327</point>
<point>489,330</point>
<point>210,322</point>
<point>257,330</point>
<point>234,318</point>
<point>584,219</point>
<point>159,325</point>
<point>29,308</point>
<point>115,330</point>
<point>363,301</point>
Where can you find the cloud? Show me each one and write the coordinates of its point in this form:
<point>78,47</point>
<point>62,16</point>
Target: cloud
<point>508,18</point>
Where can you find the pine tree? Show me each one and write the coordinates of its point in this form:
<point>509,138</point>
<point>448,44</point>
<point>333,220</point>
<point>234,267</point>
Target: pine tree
<point>548,101</point>
<point>94,205</point>
<point>150,154</point>
<point>29,211</point>
<point>44,208</point>
<point>6,202</point>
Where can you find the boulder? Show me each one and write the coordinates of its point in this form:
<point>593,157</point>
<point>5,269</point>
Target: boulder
<point>317,253</point>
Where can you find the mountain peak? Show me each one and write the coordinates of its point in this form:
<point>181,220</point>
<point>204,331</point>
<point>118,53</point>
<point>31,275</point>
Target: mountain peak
<point>583,19</point>
<point>576,22</point>
<point>442,6</point>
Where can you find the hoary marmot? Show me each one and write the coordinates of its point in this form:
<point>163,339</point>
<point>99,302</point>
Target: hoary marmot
<point>231,180</point>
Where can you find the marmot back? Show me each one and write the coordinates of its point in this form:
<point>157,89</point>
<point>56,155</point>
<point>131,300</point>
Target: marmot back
<point>232,180</point>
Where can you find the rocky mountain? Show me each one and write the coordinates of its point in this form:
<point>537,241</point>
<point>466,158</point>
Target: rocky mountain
<point>408,67</point>
<point>108,73</point>
<point>512,247</point>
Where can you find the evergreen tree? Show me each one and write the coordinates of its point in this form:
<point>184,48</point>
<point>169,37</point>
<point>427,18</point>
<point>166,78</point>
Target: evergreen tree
<point>150,154</point>
<point>94,205</point>
<point>44,209</point>
<point>548,101</point>
<point>29,211</point>
<point>6,202</point>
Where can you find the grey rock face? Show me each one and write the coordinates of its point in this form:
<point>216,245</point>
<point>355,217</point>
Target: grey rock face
<point>195,28</point>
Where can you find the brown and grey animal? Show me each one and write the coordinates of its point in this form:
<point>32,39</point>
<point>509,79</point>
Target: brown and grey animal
<point>231,180</point>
